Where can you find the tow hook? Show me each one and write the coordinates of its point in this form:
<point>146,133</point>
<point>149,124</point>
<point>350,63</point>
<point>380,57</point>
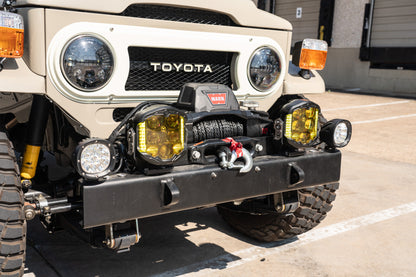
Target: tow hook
<point>237,152</point>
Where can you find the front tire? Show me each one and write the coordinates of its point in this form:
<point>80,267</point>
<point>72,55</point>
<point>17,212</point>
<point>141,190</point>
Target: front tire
<point>314,204</point>
<point>12,219</point>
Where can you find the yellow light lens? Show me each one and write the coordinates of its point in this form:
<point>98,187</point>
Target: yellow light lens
<point>162,136</point>
<point>155,122</point>
<point>152,150</point>
<point>302,125</point>
<point>11,35</point>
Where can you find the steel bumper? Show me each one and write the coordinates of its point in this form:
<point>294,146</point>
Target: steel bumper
<point>121,198</point>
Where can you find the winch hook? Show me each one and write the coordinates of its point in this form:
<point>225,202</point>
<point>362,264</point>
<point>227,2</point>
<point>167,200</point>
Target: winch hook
<point>237,151</point>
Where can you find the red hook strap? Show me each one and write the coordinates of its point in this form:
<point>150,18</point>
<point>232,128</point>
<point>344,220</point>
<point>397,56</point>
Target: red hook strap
<point>235,146</point>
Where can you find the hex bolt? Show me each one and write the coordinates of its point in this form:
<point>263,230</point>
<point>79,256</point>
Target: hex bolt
<point>259,147</point>
<point>26,183</point>
<point>196,155</point>
<point>29,214</point>
<point>257,169</point>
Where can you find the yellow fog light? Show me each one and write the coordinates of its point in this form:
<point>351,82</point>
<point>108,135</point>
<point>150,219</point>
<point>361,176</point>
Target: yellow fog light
<point>302,126</point>
<point>11,35</point>
<point>161,136</point>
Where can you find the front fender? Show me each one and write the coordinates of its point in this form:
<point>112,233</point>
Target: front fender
<point>295,84</point>
<point>18,78</point>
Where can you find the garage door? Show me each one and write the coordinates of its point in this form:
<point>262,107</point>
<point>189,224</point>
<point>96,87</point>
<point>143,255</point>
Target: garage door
<point>303,14</point>
<point>394,23</point>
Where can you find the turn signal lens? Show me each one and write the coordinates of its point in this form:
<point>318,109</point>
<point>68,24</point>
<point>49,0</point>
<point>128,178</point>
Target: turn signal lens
<point>162,136</point>
<point>11,35</point>
<point>310,54</point>
<point>312,59</point>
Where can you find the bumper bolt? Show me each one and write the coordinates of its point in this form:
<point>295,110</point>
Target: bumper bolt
<point>196,155</point>
<point>257,169</point>
<point>213,175</point>
<point>259,147</point>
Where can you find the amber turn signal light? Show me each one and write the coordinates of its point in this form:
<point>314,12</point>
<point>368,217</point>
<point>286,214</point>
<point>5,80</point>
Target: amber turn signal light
<point>310,54</point>
<point>11,35</point>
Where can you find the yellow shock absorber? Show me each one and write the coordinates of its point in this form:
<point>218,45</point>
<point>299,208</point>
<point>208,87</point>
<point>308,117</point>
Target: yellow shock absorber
<point>34,137</point>
<point>30,162</point>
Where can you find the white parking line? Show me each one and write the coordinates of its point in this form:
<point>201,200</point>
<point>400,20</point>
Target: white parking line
<point>258,252</point>
<point>367,106</point>
<point>384,119</point>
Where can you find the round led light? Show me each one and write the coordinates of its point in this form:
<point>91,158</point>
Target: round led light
<point>87,63</point>
<point>95,158</point>
<point>341,133</point>
<point>264,69</point>
<point>336,133</point>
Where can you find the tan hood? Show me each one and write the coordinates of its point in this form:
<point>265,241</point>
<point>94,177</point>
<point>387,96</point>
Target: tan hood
<point>244,12</point>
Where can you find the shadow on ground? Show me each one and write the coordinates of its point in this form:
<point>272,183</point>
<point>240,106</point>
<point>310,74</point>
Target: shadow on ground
<point>164,247</point>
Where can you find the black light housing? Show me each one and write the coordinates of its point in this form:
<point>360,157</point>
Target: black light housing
<point>336,133</point>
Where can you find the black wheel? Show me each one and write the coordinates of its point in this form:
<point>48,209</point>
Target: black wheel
<point>12,220</point>
<point>314,204</point>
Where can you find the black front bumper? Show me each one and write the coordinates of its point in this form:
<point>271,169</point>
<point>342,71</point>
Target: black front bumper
<point>122,198</point>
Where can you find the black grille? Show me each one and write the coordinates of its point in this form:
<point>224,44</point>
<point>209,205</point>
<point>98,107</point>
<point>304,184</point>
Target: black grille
<point>143,76</point>
<point>177,14</point>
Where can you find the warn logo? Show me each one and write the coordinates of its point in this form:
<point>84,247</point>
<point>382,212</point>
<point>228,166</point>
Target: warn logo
<point>217,98</point>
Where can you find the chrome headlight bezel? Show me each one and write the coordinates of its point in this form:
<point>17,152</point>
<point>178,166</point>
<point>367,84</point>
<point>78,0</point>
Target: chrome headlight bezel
<point>107,53</point>
<point>276,68</point>
<point>80,159</point>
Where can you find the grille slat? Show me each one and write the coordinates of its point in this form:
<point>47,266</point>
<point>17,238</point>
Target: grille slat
<point>178,14</point>
<point>142,75</point>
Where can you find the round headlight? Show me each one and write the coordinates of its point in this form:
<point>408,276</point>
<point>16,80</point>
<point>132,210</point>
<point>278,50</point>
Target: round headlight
<point>94,158</point>
<point>336,133</point>
<point>87,63</point>
<point>264,68</point>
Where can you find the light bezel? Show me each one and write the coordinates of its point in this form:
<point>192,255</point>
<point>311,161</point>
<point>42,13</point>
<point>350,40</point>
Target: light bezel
<point>68,43</point>
<point>280,69</point>
<point>78,152</point>
<point>289,108</point>
<point>328,130</point>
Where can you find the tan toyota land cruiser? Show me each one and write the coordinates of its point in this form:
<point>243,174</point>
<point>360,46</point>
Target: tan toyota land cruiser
<point>114,111</point>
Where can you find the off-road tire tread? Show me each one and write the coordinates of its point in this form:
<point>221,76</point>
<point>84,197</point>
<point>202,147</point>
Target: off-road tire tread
<point>314,204</point>
<point>12,219</point>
